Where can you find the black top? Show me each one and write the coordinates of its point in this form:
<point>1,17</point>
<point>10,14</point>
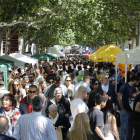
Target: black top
<point>63,121</point>
<point>126,91</point>
<point>63,104</point>
<point>136,115</point>
<point>4,137</point>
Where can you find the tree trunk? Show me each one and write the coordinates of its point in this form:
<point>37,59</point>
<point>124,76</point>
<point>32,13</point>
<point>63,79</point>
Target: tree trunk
<point>1,39</point>
<point>37,48</point>
<point>8,43</point>
<point>23,47</point>
<point>42,49</point>
<point>123,44</point>
<point>25,37</point>
<point>29,48</point>
<point>136,38</point>
<point>133,43</point>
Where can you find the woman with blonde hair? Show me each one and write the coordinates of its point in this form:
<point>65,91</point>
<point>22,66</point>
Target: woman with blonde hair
<point>81,128</point>
<point>17,90</point>
<point>10,83</point>
<point>42,87</point>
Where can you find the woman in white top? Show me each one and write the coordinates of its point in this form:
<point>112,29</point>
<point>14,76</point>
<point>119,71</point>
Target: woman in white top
<point>68,83</point>
<point>110,126</point>
<point>17,90</point>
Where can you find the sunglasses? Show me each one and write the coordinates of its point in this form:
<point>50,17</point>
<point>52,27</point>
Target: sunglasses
<point>96,84</point>
<point>68,80</point>
<point>32,91</point>
<point>57,83</point>
<point>107,78</point>
<point>50,82</point>
<point>31,77</point>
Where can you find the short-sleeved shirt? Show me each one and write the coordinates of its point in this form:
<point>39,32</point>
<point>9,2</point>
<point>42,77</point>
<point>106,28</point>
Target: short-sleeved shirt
<point>96,119</point>
<point>78,104</point>
<point>126,91</point>
<point>136,115</point>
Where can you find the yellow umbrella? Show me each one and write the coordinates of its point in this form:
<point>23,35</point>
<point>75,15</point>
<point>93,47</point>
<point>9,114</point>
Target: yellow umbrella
<point>107,54</point>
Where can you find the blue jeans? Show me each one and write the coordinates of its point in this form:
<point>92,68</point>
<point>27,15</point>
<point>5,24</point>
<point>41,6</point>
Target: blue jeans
<point>126,127</point>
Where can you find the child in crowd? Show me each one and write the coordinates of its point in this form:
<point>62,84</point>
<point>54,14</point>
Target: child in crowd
<point>96,115</point>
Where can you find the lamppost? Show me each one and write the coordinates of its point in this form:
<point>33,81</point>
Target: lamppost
<point>29,47</point>
<point>138,32</point>
<point>129,42</point>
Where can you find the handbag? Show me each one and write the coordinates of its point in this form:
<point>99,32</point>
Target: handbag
<point>58,134</point>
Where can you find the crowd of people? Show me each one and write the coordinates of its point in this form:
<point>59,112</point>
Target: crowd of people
<point>73,97</point>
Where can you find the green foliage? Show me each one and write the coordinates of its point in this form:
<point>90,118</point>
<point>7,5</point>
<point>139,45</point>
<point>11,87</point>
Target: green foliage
<point>67,22</point>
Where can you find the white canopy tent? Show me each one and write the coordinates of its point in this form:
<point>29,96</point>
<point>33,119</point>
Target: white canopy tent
<point>67,49</point>
<point>24,58</point>
<point>129,57</point>
<point>18,63</point>
<point>58,47</point>
<point>54,50</point>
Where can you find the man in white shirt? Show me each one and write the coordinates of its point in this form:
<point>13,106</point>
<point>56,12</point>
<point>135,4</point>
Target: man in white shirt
<point>78,105</point>
<point>85,83</point>
<point>38,77</point>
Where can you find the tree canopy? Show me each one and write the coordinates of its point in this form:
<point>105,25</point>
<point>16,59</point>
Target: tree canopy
<point>67,22</point>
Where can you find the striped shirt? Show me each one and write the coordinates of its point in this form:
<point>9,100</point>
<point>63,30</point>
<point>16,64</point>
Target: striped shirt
<point>34,126</point>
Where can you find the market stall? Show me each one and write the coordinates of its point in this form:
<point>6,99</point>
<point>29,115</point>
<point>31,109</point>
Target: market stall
<point>129,57</point>
<point>85,53</point>
<point>54,50</point>
<point>106,54</point>
<point>17,62</point>
<point>92,52</point>
<point>24,58</point>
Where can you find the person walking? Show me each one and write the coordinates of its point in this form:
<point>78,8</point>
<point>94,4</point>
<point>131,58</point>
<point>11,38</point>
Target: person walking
<point>78,105</point>
<point>35,126</point>
<point>126,111</point>
<point>81,128</point>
